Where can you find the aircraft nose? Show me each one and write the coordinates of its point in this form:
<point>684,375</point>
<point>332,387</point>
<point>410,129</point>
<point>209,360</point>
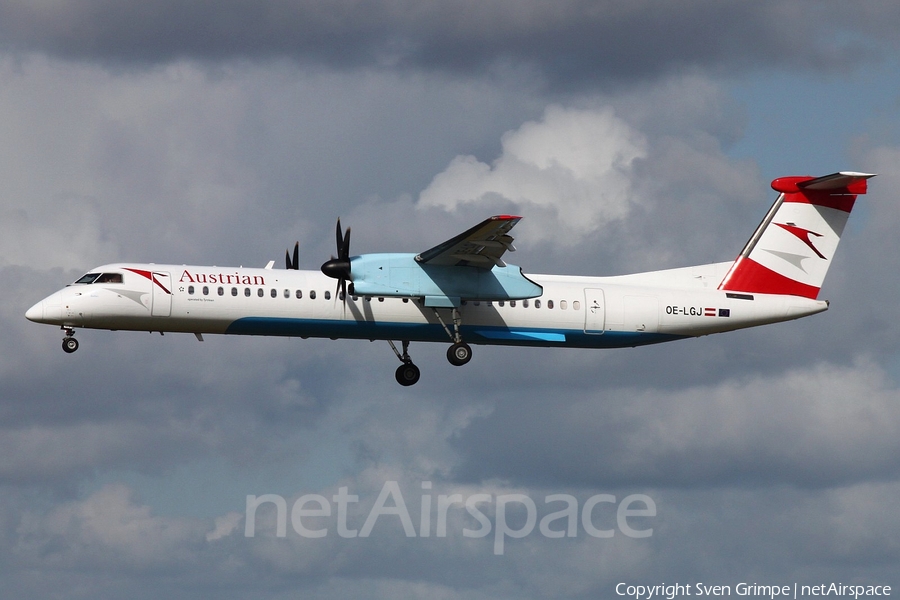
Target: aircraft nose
<point>36,312</point>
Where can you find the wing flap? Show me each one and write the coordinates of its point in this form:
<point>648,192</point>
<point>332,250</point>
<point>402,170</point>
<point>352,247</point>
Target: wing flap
<point>481,246</point>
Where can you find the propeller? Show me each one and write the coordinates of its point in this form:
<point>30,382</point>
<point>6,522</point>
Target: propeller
<point>339,267</point>
<point>292,263</point>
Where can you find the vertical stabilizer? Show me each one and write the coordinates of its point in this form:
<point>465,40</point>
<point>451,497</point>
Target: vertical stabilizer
<point>791,250</point>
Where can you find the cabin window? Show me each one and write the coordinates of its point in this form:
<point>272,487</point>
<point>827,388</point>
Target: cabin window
<point>191,290</point>
<point>405,300</point>
<point>110,278</point>
<point>260,292</point>
<point>206,290</point>
<point>274,293</point>
<point>221,291</point>
<point>512,303</point>
<point>234,291</point>
<point>312,294</point>
<point>327,295</point>
<point>247,292</point>
<point>549,304</point>
<point>501,303</point>
<point>342,296</point>
<point>537,303</point>
<point>525,303</point>
<point>287,293</point>
<point>576,305</point>
<point>562,305</point>
<point>381,299</point>
<point>299,294</point>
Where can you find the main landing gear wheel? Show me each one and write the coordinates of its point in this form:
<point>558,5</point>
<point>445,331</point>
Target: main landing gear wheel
<point>407,374</point>
<point>70,345</point>
<point>459,354</point>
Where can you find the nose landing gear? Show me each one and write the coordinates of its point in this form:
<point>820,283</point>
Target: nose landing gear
<point>69,343</point>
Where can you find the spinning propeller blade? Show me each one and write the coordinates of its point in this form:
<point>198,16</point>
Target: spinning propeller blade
<point>339,267</point>
<point>294,263</point>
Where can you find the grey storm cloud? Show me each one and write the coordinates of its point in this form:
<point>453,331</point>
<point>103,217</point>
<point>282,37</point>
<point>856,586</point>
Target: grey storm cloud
<point>569,42</point>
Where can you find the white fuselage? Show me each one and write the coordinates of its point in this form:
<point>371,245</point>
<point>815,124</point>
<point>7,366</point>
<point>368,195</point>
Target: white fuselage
<point>589,312</point>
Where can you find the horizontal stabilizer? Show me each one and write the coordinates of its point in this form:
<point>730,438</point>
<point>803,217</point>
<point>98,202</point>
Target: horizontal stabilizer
<point>845,182</point>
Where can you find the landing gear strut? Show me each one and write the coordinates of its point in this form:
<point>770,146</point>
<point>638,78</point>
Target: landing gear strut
<point>459,353</point>
<point>69,343</point>
<point>407,374</point>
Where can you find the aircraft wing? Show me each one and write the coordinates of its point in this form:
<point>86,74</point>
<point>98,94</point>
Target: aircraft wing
<point>481,246</point>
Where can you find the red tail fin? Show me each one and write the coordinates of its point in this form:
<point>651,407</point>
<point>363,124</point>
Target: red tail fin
<point>791,250</point>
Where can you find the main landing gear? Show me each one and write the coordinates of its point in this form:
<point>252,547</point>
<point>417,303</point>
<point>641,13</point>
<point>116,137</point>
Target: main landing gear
<point>407,373</point>
<point>69,343</point>
<point>459,353</point>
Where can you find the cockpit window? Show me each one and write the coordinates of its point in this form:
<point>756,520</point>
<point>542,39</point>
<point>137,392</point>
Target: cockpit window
<point>101,278</point>
<point>109,278</point>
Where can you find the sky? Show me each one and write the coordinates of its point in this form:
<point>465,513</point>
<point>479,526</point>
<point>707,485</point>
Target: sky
<point>630,135</point>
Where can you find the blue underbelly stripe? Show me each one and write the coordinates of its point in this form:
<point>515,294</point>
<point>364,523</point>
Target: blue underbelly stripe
<point>428,332</point>
<point>518,334</point>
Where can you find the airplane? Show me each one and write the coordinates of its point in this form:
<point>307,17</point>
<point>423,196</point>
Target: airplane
<point>462,292</point>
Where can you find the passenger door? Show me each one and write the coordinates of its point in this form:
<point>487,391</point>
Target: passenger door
<point>161,294</point>
<point>594,311</point>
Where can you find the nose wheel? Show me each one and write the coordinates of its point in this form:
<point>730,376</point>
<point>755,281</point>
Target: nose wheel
<point>69,343</point>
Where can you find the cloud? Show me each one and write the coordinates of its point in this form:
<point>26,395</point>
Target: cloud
<point>601,178</point>
<point>110,528</point>
<point>575,165</point>
<point>572,43</point>
<point>819,426</point>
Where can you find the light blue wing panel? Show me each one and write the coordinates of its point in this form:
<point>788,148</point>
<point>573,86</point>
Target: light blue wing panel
<point>481,246</point>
